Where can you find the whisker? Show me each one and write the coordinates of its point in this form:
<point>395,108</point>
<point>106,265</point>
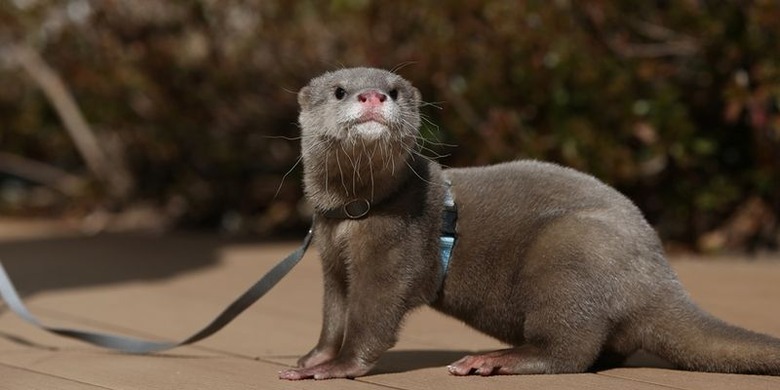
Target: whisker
<point>386,153</point>
<point>327,177</point>
<point>352,163</point>
<point>433,154</point>
<point>370,168</point>
<point>392,164</point>
<point>403,65</point>
<point>444,144</point>
<point>432,104</point>
<point>421,178</point>
<point>283,137</point>
<point>279,188</point>
<point>341,174</point>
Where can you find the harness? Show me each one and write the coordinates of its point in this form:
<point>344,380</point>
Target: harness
<point>359,209</point>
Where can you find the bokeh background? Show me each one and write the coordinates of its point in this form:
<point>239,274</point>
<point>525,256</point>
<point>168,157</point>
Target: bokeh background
<point>160,115</point>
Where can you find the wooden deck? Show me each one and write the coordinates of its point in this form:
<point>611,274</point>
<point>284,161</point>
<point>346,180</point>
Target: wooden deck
<point>169,286</point>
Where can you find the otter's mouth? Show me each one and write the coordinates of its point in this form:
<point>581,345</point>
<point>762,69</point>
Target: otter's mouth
<point>371,117</point>
<point>369,129</point>
<point>378,121</point>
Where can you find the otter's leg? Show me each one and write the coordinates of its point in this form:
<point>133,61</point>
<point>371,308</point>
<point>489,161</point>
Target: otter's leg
<point>526,359</point>
<point>376,304</point>
<point>558,340</point>
<point>334,312</point>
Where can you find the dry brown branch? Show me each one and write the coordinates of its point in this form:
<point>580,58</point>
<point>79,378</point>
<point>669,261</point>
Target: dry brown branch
<point>110,171</point>
<point>670,43</point>
<point>654,31</point>
<point>41,173</point>
<point>653,50</point>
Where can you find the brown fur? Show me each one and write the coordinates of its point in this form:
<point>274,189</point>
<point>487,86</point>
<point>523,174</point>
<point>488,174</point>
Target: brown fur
<point>547,259</point>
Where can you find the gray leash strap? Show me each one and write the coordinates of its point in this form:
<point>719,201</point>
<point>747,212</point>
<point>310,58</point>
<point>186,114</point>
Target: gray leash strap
<point>131,345</point>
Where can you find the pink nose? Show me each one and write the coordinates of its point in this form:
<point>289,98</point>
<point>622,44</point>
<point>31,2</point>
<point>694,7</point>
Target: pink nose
<point>372,97</point>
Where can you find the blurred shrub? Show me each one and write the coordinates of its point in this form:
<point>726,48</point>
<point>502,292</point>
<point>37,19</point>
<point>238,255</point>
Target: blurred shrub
<point>674,103</point>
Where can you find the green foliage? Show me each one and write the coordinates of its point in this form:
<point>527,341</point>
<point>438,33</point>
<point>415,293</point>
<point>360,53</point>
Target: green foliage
<point>674,103</point>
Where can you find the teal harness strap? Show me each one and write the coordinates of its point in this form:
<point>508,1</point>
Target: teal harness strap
<point>448,232</point>
<point>131,345</point>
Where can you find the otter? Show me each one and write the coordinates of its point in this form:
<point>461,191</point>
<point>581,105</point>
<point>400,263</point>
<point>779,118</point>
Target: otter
<point>547,259</point>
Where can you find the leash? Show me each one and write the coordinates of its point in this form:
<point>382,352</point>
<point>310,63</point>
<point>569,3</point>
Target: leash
<point>354,210</point>
<point>138,346</point>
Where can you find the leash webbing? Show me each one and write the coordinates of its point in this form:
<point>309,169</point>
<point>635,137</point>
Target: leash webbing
<point>132,345</point>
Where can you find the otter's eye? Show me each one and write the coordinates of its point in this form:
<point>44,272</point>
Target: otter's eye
<point>393,94</point>
<point>340,93</point>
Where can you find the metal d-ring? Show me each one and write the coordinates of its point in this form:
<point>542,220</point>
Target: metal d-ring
<point>356,208</point>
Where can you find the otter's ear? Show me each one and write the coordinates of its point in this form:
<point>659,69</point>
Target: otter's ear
<point>304,97</point>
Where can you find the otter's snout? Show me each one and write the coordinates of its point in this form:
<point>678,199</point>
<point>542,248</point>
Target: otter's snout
<point>372,97</point>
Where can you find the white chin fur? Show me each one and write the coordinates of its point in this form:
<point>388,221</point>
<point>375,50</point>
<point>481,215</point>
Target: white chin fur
<point>370,130</point>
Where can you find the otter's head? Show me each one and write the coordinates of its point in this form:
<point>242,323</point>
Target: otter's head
<point>360,104</point>
<point>359,129</point>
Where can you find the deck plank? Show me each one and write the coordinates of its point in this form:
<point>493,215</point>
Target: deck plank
<point>16,378</point>
<point>284,324</point>
<point>694,380</point>
<point>431,378</point>
<point>129,372</point>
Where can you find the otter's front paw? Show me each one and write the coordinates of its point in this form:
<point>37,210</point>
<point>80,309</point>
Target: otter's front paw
<point>329,370</point>
<point>316,357</point>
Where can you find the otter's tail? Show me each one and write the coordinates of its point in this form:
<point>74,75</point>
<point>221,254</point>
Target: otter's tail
<point>686,336</point>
